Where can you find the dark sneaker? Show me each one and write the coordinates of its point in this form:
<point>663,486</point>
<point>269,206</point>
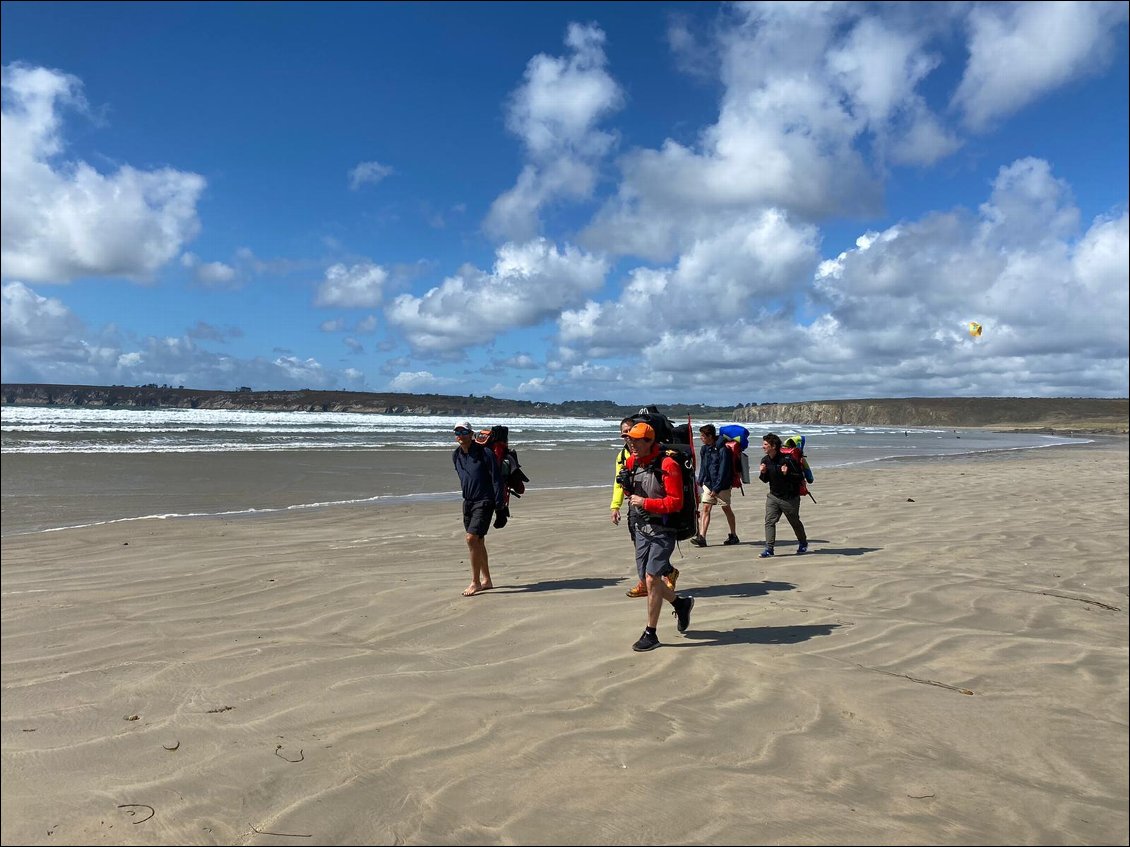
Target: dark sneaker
<point>698,541</point>
<point>802,548</point>
<point>648,641</point>
<point>731,539</point>
<point>766,553</point>
<point>682,613</point>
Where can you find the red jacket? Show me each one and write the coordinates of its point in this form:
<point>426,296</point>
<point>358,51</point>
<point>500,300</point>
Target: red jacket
<point>672,501</point>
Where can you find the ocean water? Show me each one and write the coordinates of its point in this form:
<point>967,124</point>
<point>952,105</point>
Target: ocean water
<point>55,430</point>
<point>64,467</point>
<point>29,429</point>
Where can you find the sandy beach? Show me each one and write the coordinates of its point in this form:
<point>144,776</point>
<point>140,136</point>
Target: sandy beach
<point>949,665</point>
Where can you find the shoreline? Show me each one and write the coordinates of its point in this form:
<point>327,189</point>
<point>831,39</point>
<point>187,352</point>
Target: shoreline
<point>1119,431</point>
<point>64,492</point>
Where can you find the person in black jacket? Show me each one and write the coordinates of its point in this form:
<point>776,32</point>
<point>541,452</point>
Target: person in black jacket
<point>716,476</point>
<point>784,476</point>
<point>483,494</point>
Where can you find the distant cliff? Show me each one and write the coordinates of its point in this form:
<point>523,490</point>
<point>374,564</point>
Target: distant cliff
<point>1051,413</point>
<point>470,407</point>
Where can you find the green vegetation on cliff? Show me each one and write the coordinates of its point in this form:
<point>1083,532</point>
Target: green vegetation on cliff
<point>471,407</point>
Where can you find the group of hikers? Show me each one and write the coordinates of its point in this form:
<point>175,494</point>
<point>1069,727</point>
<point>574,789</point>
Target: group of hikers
<point>653,479</point>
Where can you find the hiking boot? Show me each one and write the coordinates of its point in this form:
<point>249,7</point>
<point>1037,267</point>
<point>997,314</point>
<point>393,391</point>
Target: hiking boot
<point>730,539</point>
<point>682,613</point>
<point>638,590</point>
<point>648,641</point>
<point>766,553</point>
<point>802,548</point>
<point>672,578</point>
<point>698,541</point>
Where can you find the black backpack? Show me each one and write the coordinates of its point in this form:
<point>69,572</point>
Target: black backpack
<point>666,432</point>
<point>497,440</point>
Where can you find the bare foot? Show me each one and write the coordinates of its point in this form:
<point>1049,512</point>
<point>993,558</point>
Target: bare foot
<point>472,589</point>
<point>486,586</point>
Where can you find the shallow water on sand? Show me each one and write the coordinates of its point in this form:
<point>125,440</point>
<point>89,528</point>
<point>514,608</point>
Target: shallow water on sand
<point>66,467</point>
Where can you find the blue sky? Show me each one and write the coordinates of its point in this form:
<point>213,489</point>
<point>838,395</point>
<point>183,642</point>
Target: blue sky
<point>640,202</point>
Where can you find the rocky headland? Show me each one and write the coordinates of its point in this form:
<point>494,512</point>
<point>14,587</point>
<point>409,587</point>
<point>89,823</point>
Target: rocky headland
<point>1049,414</point>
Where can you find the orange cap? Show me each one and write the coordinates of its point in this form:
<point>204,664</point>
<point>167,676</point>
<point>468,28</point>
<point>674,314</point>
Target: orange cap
<point>642,430</point>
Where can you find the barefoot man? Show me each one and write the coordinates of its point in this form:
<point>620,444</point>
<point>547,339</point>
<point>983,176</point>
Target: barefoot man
<point>483,492</point>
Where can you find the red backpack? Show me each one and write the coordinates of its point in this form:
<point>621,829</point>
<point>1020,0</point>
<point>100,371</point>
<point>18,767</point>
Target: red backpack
<point>735,438</point>
<point>740,464</point>
<point>793,447</point>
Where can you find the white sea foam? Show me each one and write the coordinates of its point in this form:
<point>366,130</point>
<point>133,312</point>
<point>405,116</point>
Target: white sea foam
<point>33,429</point>
<point>58,429</point>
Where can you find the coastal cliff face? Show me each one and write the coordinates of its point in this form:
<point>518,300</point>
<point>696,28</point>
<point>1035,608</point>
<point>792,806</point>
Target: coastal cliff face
<point>1053,413</point>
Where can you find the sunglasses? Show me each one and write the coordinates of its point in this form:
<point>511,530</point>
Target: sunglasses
<point>463,431</point>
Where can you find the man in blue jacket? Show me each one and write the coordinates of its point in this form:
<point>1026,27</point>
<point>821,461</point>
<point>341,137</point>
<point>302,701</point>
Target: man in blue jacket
<point>716,476</point>
<point>483,495</point>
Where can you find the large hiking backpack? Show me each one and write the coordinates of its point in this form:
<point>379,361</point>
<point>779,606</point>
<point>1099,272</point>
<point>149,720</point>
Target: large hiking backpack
<point>666,432</point>
<point>735,438</point>
<point>678,443</point>
<point>793,446</point>
<point>497,440</point>
<point>684,522</point>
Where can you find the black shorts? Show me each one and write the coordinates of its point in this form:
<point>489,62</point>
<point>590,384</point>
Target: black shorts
<point>477,516</point>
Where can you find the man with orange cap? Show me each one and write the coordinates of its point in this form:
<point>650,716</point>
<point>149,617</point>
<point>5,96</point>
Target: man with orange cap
<point>654,486</point>
<point>640,588</point>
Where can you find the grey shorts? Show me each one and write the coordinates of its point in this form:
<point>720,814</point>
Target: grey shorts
<point>477,515</point>
<point>653,552</point>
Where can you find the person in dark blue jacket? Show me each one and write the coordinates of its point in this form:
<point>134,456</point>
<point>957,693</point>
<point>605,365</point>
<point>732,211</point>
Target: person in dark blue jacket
<point>483,495</point>
<point>716,476</point>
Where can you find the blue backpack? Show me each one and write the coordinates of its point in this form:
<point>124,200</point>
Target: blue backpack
<point>735,438</point>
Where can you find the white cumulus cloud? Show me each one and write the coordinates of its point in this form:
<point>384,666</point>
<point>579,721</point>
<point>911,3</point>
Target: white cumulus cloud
<point>416,381</point>
<point>529,283</point>
<point>555,112</point>
<point>32,320</point>
<point>352,286</point>
<point>62,219</point>
<point>1020,51</point>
